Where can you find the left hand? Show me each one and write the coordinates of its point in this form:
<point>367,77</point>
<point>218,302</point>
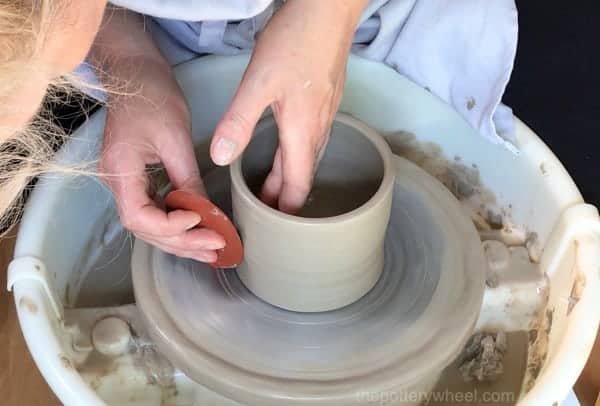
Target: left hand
<point>148,123</point>
<point>298,68</point>
<point>148,128</point>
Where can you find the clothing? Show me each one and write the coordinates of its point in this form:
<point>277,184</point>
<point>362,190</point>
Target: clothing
<point>460,50</point>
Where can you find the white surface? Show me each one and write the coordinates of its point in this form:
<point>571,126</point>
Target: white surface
<point>377,95</point>
<point>571,400</point>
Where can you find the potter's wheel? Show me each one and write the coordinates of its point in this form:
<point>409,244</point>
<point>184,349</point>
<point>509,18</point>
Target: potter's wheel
<point>409,326</point>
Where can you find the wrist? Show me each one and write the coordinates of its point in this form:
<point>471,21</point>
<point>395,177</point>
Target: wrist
<point>350,10</point>
<point>353,9</point>
<point>147,81</point>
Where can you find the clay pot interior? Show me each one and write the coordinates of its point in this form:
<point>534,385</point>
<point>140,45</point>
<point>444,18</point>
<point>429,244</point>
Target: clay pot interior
<point>348,175</point>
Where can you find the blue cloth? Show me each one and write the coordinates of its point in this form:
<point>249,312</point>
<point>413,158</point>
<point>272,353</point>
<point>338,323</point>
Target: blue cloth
<point>461,50</point>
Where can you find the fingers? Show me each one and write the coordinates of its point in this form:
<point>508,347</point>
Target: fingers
<point>303,136</point>
<point>235,128</point>
<point>200,244</point>
<point>271,189</point>
<point>123,166</point>
<point>191,240</point>
<point>172,231</point>
<point>303,113</point>
<point>200,255</point>
<point>299,142</point>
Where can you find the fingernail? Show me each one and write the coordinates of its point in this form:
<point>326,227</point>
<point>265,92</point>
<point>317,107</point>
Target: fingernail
<point>195,222</point>
<point>215,246</point>
<point>207,258</point>
<point>224,150</point>
<point>291,202</point>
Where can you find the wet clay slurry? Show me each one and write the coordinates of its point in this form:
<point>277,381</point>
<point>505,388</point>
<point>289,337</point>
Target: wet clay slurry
<point>453,388</point>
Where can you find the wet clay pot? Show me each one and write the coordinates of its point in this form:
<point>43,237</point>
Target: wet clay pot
<point>331,252</point>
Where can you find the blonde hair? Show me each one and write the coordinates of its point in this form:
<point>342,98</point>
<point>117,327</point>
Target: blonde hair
<point>26,152</point>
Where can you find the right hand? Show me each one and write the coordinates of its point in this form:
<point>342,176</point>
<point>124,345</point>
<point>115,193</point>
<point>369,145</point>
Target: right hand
<point>298,68</point>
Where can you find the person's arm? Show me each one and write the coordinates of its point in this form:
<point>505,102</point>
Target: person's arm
<point>298,68</point>
<point>148,122</point>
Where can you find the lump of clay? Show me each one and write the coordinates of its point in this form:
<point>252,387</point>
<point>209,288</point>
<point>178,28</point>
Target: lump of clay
<point>482,357</point>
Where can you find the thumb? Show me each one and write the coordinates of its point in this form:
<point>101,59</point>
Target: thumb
<point>180,163</point>
<point>234,131</point>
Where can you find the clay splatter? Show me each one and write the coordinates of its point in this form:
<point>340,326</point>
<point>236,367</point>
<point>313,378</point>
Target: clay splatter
<point>482,357</point>
<point>66,362</point>
<point>471,103</point>
<point>576,291</point>
<point>532,335</point>
<point>28,304</point>
<point>538,347</point>
<point>463,181</point>
<point>533,247</point>
<point>492,280</point>
<point>549,318</point>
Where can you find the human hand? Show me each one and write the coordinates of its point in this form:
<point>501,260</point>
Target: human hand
<point>298,68</point>
<point>152,127</point>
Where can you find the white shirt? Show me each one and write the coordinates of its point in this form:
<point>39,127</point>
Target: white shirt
<point>461,50</point>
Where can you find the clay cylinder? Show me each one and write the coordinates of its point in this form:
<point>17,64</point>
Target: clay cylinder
<point>331,252</point>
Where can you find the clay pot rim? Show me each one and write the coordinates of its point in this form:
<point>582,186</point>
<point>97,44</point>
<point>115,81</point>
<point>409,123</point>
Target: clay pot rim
<point>387,182</point>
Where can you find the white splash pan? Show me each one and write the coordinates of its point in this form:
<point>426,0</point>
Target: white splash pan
<point>68,221</point>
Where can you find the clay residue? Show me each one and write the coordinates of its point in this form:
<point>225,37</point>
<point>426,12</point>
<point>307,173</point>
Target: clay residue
<point>66,362</point>
<point>576,291</point>
<point>533,247</point>
<point>549,319</point>
<point>462,180</point>
<point>167,394</point>
<point>28,304</point>
<point>493,222</point>
<point>67,298</point>
<point>492,280</point>
<point>158,369</point>
<point>471,103</point>
<point>482,357</point>
<point>578,283</point>
<point>506,388</point>
<point>538,347</point>
<point>159,372</point>
<point>96,368</point>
